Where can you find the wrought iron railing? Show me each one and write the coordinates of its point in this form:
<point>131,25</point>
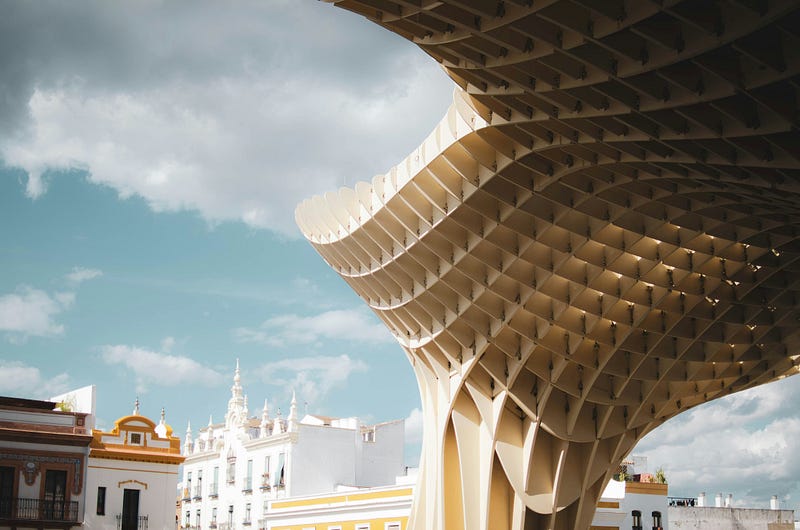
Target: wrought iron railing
<point>38,509</point>
<point>131,523</point>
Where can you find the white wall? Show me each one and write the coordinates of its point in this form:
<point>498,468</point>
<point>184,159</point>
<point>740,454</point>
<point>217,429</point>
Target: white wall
<point>382,460</point>
<point>156,484</point>
<point>322,458</point>
<point>712,518</point>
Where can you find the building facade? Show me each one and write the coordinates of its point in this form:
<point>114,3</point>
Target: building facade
<point>696,514</point>
<point>384,508</point>
<point>624,505</point>
<point>234,469</point>
<point>132,475</point>
<point>43,457</point>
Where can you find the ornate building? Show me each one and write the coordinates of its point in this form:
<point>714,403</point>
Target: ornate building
<point>54,474</point>
<point>43,454</point>
<point>600,234</point>
<point>234,469</point>
<point>132,475</point>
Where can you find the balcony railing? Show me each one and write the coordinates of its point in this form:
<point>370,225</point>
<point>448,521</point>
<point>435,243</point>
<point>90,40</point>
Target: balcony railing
<point>213,491</point>
<point>38,510</point>
<point>198,492</point>
<point>131,523</point>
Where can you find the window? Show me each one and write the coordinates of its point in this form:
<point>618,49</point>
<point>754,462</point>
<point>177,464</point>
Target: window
<point>279,478</point>
<point>136,438</point>
<point>248,479</point>
<point>101,500</point>
<point>637,520</point>
<point>188,516</point>
<point>7,474</point>
<point>197,519</point>
<point>198,491</point>
<point>394,525</point>
<point>337,527</point>
<point>231,470</point>
<point>215,482</point>
<point>214,517</point>
<point>362,526</point>
<point>230,515</point>
<point>656,520</point>
<point>266,506</point>
<point>247,513</point>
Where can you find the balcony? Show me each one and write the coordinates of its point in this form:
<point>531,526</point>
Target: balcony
<point>214,491</point>
<point>18,511</point>
<point>198,492</point>
<point>131,523</point>
<point>185,494</point>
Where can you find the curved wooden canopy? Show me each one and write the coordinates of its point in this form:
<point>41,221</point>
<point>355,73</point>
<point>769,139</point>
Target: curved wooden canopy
<point>600,234</point>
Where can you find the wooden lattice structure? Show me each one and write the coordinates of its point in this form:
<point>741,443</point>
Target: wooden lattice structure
<point>600,234</point>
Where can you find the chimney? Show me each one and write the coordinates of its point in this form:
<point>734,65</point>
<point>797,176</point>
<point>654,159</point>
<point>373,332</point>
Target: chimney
<point>718,500</point>
<point>773,503</point>
<point>729,500</point>
<point>701,499</point>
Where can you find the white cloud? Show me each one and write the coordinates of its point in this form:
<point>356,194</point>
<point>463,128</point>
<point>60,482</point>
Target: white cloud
<point>81,274</point>
<point>746,444</point>
<point>311,377</point>
<point>32,312</point>
<point>22,380</point>
<point>414,423</point>
<point>152,368</point>
<point>237,125</point>
<point>167,344</point>
<point>354,325</point>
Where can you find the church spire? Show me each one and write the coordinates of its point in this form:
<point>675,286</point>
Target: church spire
<point>264,420</point>
<point>237,407</point>
<point>210,433</point>
<point>292,419</point>
<point>188,444</point>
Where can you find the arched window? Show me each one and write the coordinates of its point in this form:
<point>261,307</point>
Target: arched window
<point>637,520</point>
<point>657,521</point>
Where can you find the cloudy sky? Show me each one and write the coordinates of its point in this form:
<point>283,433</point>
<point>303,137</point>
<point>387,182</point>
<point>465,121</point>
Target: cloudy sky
<point>151,156</point>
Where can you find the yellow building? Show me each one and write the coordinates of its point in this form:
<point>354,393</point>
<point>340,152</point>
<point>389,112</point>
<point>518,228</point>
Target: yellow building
<point>132,475</point>
<point>372,509</point>
<point>623,505</point>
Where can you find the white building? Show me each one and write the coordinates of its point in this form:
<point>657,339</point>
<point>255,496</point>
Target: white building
<point>132,475</point>
<point>232,470</point>
<point>697,514</point>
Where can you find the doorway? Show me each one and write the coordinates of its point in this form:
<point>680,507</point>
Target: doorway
<point>130,509</point>
<point>55,491</point>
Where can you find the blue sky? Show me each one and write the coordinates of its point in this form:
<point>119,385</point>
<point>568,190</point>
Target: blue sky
<point>151,156</point>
